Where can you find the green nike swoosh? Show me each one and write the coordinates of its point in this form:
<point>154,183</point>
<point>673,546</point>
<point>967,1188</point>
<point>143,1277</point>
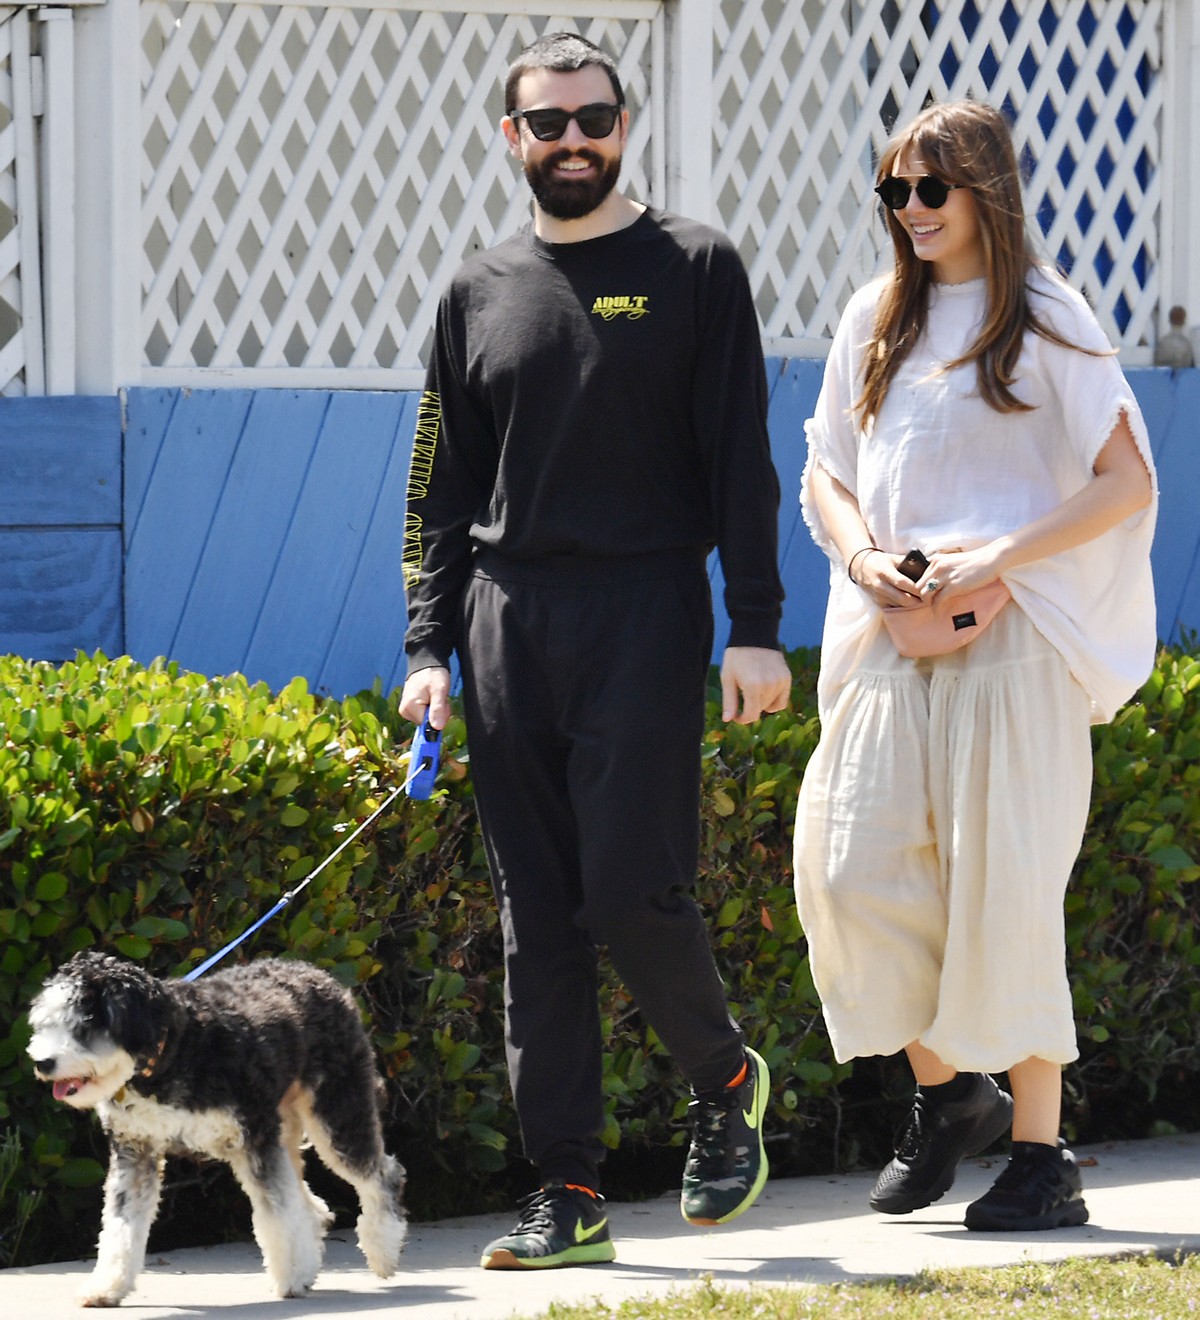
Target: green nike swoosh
<point>748,1115</point>
<point>582,1234</point>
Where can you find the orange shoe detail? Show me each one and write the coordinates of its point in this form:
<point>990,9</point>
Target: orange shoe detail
<point>741,1075</point>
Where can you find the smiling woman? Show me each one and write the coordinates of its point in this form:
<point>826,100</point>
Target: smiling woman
<point>974,438</point>
<point>939,218</point>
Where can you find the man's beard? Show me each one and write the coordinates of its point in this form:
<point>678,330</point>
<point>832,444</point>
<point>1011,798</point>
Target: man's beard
<point>573,198</point>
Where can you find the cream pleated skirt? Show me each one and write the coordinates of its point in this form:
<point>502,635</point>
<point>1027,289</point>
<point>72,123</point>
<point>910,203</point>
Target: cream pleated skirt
<point>937,825</point>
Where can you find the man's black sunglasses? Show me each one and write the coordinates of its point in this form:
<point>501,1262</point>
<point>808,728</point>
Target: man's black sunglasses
<point>894,193</point>
<point>595,121</point>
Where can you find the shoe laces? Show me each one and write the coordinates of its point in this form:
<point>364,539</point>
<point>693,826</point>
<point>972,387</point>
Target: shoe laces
<point>1026,1171</point>
<point>537,1209</point>
<point>710,1121</point>
<point>909,1138</point>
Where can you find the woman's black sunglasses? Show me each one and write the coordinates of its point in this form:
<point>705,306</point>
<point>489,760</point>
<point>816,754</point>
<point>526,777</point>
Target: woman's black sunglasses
<point>595,121</point>
<point>894,193</point>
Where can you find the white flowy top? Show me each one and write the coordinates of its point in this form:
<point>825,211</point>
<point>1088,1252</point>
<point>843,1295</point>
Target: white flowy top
<point>940,468</point>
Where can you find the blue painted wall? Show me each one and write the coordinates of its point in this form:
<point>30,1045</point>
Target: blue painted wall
<point>1170,401</point>
<point>261,531</point>
<point>60,526</point>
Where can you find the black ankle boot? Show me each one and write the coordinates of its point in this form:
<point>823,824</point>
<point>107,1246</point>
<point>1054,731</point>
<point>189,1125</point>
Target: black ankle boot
<point>1041,1188</point>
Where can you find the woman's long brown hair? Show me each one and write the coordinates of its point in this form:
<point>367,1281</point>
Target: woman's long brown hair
<point>969,144</point>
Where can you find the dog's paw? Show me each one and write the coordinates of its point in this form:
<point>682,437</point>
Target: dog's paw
<point>100,1297</point>
<point>324,1215</point>
<point>293,1287</point>
<point>381,1242</point>
<point>295,1278</point>
<point>107,1284</point>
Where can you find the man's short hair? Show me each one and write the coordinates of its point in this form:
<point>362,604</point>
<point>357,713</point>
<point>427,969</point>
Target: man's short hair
<point>562,52</point>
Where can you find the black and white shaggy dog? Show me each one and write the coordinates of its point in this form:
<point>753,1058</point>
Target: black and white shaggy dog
<point>240,1066</point>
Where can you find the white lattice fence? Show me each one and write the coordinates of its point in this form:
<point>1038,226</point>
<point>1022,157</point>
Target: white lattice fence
<point>807,92</point>
<point>312,176</point>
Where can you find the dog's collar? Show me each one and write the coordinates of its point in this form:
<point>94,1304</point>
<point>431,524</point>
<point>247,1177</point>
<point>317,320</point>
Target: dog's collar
<point>152,1061</point>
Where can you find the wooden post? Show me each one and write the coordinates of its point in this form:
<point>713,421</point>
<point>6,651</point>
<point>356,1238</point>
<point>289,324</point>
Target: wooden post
<point>689,108</point>
<point>108,348</point>
<point>58,197</point>
<point>24,156</point>
<point>1180,252</point>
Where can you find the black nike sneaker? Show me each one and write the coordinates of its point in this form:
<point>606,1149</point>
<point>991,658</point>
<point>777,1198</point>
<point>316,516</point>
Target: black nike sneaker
<point>727,1163</point>
<point>559,1225</point>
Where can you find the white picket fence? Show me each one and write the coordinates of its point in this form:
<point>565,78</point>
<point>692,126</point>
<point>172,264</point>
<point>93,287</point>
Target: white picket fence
<point>252,194</point>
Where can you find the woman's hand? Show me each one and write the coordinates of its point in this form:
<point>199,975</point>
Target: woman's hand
<point>876,572</point>
<point>953,573</point>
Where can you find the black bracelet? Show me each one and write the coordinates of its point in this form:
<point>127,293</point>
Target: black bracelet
<point>866,550</point>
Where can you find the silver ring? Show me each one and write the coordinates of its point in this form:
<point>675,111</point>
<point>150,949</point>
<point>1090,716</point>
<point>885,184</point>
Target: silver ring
<point>932,586</point>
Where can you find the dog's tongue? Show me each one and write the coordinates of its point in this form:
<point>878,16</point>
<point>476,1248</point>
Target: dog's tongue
<point>66,1086</point>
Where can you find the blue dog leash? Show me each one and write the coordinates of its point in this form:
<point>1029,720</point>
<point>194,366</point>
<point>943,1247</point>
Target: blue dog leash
<point>423,763</point>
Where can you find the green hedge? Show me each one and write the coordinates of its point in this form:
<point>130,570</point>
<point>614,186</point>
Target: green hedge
<point>158,813</point>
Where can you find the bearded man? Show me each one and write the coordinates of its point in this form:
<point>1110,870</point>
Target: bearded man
<point>594,423</point>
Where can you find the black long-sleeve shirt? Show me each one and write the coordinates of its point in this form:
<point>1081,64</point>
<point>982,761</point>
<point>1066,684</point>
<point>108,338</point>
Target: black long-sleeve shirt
<point>602,398</point>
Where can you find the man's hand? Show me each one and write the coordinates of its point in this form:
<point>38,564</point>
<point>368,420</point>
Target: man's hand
<point>759,676</point>
<point>427,690</point>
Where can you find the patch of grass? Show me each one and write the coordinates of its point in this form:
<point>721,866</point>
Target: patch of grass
<point>1130,1288</point>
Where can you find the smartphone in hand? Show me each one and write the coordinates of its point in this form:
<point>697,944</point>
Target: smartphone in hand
<point>913,565</point>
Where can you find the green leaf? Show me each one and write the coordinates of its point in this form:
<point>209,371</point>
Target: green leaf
<point>425,841</point>
<point>813,1071</point>
<point>462,1058</point>
<point>488,1160</point>
<point>51,887</point>
<point>133,946</point>
<point>160,928</point>
<point>722,803</point>
<point>285,785</point>
<point>1172,858</point>
<point>487,1136</point>
<point>81,1172</point>
<point>730,911</point>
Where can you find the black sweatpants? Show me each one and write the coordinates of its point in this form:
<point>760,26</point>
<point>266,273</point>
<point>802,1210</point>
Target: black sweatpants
<point>583,685</point>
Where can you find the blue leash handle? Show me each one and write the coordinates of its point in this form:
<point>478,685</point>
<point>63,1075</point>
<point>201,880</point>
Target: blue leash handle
<point>423,760</point>
<point>423,766</point>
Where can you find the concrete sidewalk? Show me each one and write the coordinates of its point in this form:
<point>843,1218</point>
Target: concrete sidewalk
<point>1143,1196</point>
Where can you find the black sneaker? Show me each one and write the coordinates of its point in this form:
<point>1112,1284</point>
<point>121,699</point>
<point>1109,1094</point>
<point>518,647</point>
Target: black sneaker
<point>937,1137</point>
<point>1040,1188</point>
<point>558,1226</point>
<point>727,1165</point>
